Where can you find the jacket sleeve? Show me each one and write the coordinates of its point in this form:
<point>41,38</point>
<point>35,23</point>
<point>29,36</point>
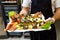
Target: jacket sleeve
<point>26,3</point>
<point>57,3</point>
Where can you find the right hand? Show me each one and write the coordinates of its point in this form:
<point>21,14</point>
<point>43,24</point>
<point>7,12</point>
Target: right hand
<point>51,19</point>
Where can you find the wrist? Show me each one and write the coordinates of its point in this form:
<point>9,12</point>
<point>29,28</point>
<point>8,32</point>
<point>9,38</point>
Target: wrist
<point>24,12</point>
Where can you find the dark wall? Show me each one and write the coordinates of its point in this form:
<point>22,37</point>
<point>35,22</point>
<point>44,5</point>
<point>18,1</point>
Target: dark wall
<point>57,25</point>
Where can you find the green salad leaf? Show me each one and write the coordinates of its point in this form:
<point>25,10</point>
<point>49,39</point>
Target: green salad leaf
<point>11,13</point>
<point>46,25</point>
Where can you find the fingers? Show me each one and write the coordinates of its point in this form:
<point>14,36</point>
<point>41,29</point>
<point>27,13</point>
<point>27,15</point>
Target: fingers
<point>52,20</point>
<point>23,12</point>
<point>47,19</point>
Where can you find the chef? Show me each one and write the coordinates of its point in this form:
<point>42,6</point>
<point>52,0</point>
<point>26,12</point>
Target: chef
<point>34,6</point>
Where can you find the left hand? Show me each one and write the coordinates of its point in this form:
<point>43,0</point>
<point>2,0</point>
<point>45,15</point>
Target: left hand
<point>23,12</point>
<point>52,20</point>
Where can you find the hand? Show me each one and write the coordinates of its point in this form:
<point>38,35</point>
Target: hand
<point>23,12</point>
<point>5,30</point>
<point>52,20</point>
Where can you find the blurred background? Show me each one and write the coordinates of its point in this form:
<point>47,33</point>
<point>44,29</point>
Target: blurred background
<point>15,5</point>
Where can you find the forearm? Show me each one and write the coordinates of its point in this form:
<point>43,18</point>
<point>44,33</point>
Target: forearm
<point>55,17</point>
<point>26,9</point>
<point>57,14</point>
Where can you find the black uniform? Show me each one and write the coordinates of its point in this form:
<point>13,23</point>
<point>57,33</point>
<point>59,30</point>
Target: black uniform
<point>45,7</point>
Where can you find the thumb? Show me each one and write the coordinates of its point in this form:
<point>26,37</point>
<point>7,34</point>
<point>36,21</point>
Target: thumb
<point>49,19</point>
